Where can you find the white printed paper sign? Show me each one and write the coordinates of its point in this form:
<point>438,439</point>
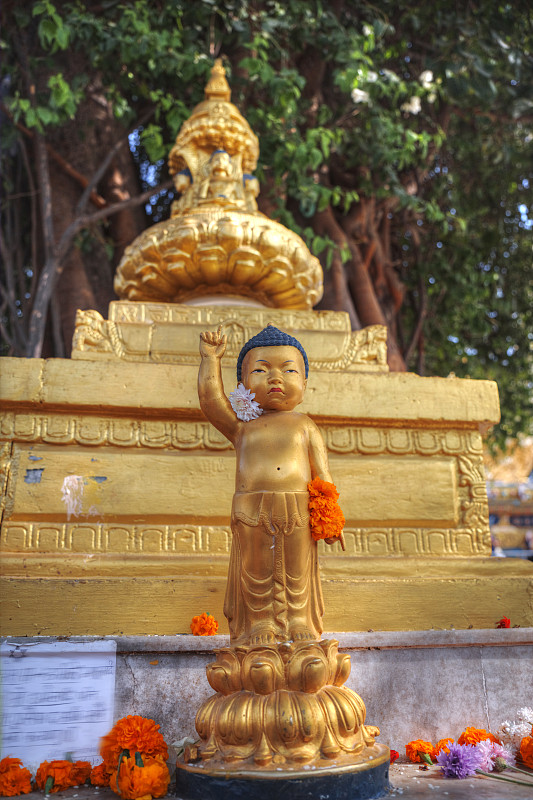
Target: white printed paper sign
<point>57,699</point>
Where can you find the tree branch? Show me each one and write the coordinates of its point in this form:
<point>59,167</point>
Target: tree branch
<point>54,265</point>
<point>422,314</point>
<point>95,198</point>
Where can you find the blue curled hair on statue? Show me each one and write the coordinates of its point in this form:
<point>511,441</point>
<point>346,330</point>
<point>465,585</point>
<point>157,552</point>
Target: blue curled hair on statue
<point>270,337</point>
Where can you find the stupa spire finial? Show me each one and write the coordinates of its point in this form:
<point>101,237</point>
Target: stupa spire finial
<point>217,86</point>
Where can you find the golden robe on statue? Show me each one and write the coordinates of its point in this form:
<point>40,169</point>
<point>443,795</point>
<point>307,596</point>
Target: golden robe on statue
<point>273,591</point>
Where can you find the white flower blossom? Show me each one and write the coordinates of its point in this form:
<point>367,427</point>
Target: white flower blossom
<point>359,96</point>
<point>511,732</point>
<point>387,73</point>
<point>243,403</point>
<point>426,78</point>
<point>413,106</point>
<point>369,76</point>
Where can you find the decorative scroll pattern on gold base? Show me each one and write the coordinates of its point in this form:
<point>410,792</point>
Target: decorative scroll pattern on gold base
<point>468,536</point>
<point>91,430</point>
<point>284,702</point>
<point>204,541</point>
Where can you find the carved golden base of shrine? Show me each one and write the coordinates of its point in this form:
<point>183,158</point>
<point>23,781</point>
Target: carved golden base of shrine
<point>282,703</point>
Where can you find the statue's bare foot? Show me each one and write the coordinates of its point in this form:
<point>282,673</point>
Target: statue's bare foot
<point>262,635</point>
<point>302,634</point>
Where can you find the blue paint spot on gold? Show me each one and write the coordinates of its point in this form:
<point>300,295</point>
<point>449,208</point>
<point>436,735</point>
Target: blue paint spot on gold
<point>33,475</point>
<point>97,478</point>
<point>35,458</point>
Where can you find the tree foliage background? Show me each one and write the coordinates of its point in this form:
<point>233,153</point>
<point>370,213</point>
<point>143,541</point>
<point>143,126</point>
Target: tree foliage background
<point>396,138</point>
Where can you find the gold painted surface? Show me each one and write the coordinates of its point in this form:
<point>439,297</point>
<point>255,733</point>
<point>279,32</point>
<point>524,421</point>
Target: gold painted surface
<point>114,486</point>
<point>68,577</point>
<point>216,242</point>
<point>360,762</point>
<point>158,441</point>
<point>378,594</point>
<point>168,334</point>
<point>156,391</point>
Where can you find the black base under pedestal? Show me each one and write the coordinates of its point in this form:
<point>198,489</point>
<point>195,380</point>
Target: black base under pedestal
<point>360,782</point>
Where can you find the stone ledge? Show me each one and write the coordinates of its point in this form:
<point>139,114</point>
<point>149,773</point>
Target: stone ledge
<point>352,640</point>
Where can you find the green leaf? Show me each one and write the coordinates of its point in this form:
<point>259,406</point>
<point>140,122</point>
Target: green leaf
<point>123,754</point>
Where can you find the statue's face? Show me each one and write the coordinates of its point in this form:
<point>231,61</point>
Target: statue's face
<point>276,375</point>
<point>220,164</point>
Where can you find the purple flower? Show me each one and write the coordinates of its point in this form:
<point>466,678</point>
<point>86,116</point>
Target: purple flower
<point>461,761</point>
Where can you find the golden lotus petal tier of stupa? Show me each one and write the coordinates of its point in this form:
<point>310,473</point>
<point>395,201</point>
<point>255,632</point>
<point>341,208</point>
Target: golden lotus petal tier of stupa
<point>216,241</point>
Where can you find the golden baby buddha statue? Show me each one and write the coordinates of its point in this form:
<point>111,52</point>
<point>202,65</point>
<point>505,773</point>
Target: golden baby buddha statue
<point>273,591</point>
<point>280,706</point>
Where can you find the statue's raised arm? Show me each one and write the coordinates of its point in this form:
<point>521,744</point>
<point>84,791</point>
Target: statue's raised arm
<point>213,401</point>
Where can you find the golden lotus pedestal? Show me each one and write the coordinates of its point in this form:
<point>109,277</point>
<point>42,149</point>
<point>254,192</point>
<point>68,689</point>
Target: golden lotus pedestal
<point>282,721</point>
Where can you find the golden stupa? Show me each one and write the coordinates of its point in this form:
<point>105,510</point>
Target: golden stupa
<point>116,491</point>
<point>216,243</point>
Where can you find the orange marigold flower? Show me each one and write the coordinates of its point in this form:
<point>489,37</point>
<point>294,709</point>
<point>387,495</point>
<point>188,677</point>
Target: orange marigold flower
<point>14,778</point>
<point>133,733</point>
<point>526,750</point>
<point>442,744</point>
<point>141,783</point>
<point>62,773</point>
<point>326,518</point>
<point>413,749</point>
<point>99,775</point>
<point>204,625</point>
<point>475,735</point>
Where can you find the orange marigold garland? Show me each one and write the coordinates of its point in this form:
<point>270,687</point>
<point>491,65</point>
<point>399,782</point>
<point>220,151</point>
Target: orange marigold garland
<point>100,776</point>
<point>326,518</point>
<point>526,750</point>
<point>135,734</point>
<point>475,735</point>
<point>54,776</point>
<point>204,625</point>
<point>14,778</point>
<point>418,750</point>
<point>140,778</point>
